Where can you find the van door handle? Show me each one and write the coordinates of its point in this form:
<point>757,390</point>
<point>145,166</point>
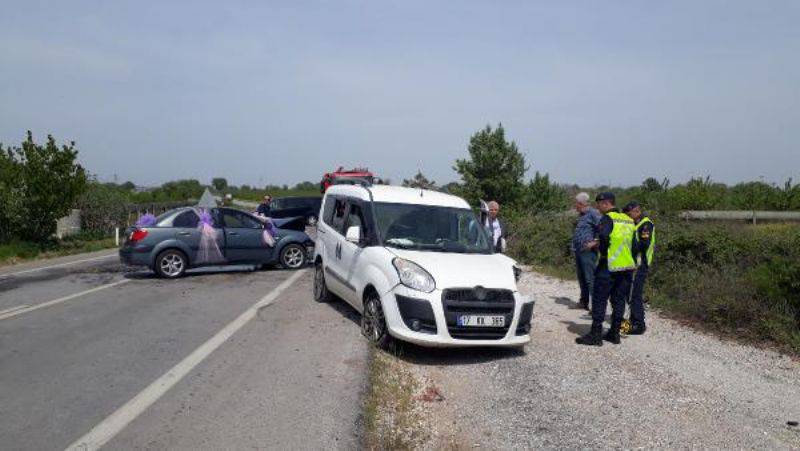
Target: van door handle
<point>233,233</point>
<point>184,233</point>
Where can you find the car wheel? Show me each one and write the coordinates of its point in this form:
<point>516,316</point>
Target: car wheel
<point>293,256</point>
<point>373,322</point>
<point>171,264</point>
<point>321,293</point>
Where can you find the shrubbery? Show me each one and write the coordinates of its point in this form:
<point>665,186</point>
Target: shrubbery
<point>103,207</point>
<point>738,279</point>
<point>39,185</point>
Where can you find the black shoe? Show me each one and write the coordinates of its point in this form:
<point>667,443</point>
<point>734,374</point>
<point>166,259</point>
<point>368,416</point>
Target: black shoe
<point>638,329</point>
<point>590,339</point>
<point>585,305</point>
<point>612,336</point>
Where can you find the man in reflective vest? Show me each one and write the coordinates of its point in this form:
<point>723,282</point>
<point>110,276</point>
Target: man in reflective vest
<point>614,272</point>
<point>644,249</point>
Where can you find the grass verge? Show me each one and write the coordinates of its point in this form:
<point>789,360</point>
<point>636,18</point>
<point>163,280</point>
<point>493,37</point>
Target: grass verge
<point>22,251</point>
<point>391,419</point>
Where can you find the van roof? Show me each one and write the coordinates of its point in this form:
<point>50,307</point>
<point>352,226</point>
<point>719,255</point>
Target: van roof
<point>399,195</point>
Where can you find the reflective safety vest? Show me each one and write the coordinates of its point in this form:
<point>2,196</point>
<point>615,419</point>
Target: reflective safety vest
<point>652,247</point>
<point>620,246</point>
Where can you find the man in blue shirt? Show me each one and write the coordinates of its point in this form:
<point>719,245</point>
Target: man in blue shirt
<point>585,256</point>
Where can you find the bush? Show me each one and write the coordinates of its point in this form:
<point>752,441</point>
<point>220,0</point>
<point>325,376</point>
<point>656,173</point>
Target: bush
<point>737,279</point>
<point>102,208</point>
<point>45,181</point>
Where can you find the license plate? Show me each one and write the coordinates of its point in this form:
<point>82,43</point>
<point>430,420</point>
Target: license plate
<point>482,320</point>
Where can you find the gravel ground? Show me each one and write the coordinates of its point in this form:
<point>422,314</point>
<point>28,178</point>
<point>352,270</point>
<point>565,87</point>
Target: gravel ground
<point>671,388</point>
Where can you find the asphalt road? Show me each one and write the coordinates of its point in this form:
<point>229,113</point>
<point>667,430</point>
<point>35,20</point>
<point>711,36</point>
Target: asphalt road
<point>218,359</point>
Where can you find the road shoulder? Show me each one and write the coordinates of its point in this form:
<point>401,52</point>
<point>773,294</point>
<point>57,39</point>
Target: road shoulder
<point>673,387</point>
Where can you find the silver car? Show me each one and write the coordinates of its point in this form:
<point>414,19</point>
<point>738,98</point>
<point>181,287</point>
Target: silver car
<point>171,245</point>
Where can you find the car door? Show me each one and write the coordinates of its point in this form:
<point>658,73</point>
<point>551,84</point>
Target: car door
<point>244,242</point>
<point>329,232</point>
<point>186,231</point>
<point>350,253</point>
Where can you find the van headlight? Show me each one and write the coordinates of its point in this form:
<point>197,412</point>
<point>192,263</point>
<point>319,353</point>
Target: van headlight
<point>413,275</point>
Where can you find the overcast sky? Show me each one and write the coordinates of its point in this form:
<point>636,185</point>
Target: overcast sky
<point>267,92</point>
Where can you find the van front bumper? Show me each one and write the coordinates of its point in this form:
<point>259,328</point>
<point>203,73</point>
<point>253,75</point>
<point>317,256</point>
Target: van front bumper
<point>428,319</point>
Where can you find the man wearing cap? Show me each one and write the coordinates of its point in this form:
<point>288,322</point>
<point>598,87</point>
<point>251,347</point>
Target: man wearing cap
<point>644,249</point>
<point>614,272</point>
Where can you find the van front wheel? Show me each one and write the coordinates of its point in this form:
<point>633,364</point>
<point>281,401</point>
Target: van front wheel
<point>373,322</point>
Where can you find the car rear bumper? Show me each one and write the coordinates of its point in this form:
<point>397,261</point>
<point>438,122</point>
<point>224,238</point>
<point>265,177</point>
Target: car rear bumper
<point>134,256</point>
<point>434,325</point>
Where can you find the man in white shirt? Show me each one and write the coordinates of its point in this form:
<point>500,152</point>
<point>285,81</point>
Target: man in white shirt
<point>496,228</point>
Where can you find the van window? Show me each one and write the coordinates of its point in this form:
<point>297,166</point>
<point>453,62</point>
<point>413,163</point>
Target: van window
<point>339,209</point>
<point>355,218</point>
<point>327,213</point>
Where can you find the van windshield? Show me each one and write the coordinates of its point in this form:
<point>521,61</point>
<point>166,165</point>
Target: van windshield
<point>431,228</point>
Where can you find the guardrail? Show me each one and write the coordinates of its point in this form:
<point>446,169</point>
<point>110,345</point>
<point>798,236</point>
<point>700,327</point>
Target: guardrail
<point>740,215</point>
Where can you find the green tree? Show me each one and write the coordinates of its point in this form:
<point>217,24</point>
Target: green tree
<point>10,195</point>
<point>419,181</point>
<point>755,196</point>
<point>219,183</point>
<point>541,195</point>
<point>451,188</point>
<point>494,170</point>
<point>103,207</point>
<point>306,186</point>
<point>52,181</point>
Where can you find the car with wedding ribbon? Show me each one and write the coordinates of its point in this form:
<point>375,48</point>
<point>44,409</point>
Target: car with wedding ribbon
<point>192,237</point>
<point>419,267</point>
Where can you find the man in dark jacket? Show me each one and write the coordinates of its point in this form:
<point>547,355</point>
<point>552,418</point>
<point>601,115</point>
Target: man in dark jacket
<point>496,228</point>
<point>264,208</point>
<point>614,272</point>
<point>644,247</point>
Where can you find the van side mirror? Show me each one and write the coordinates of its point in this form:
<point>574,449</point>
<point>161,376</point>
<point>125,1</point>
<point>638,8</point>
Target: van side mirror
<point>353,234</point>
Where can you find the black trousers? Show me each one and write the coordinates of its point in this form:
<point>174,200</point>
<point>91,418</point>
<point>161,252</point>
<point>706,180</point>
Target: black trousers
<point>615,286</point>
<point>637,295</point>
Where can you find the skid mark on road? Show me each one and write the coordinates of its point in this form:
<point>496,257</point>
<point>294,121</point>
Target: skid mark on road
<point>117,421</point>
<point>60,265</point>
<point>22,311</point>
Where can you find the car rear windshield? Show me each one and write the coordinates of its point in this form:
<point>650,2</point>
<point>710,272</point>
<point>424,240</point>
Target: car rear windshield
<point>431,228</point>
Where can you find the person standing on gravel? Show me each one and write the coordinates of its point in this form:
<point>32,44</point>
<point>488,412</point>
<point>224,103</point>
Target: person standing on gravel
<point>496,228</point>
<point>614,270</point>
<point>644,249</point>
<point>585,256</point>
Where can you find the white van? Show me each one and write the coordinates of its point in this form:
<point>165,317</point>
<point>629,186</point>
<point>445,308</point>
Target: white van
<point>419,267</point>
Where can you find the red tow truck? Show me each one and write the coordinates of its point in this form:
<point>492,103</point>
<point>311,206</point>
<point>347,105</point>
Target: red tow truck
<point>342,175</point>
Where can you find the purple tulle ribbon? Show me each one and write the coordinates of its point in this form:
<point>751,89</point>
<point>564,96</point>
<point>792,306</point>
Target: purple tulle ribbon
<point>146,220</point>
<point>205,218</point>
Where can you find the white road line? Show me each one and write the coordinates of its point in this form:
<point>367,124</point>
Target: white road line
<point>74,262</point>
<point>22,311</point>
<point>9,310</point>
<point>117,421</point>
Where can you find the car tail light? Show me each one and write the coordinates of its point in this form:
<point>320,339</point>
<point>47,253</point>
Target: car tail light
<point>138,235</point>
